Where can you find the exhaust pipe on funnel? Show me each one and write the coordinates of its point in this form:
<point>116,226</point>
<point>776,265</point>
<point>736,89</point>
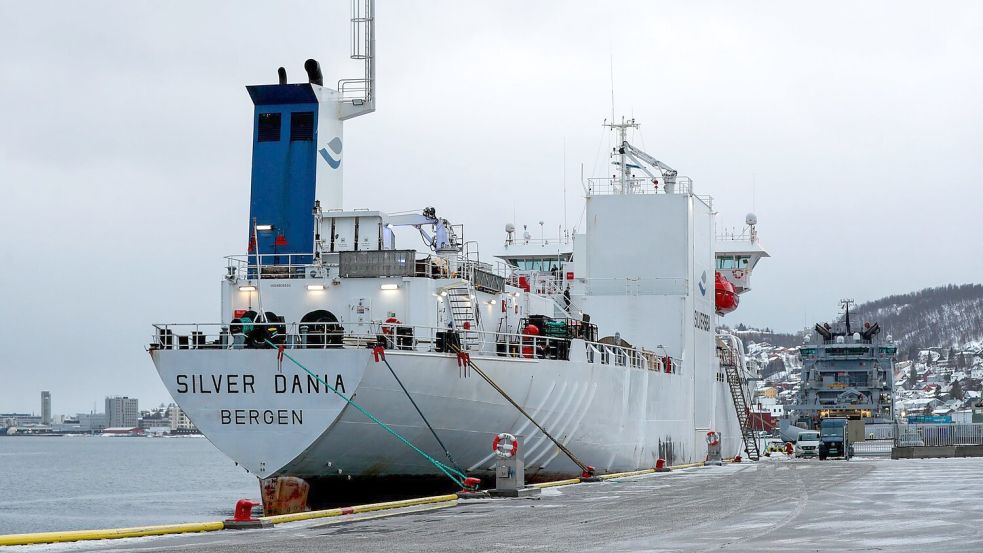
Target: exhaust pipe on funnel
<point>313,69</point>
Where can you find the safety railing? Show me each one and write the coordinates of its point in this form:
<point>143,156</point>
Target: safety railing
<point>369,264</point>
<point>917,435</point>
<point>424,339</point>
<point>612,186</point>
<point>271,266</point>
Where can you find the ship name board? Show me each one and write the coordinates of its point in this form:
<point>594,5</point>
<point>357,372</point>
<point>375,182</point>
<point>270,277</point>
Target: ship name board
<point>236,383</point>
<point>246,384</point>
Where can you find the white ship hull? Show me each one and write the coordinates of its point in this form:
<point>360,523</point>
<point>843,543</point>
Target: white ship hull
<point>612,417</point>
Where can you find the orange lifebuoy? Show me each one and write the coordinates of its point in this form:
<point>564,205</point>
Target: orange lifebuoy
<point>509,450</point>
<point>387,327</point>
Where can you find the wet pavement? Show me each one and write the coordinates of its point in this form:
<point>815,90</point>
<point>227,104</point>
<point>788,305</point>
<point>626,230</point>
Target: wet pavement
<point>778,504</point>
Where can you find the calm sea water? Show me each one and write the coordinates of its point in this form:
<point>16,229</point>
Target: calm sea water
<point>69,483</point>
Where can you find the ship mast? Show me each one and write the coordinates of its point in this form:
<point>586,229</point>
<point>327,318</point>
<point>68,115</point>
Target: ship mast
<point>846,305</point>
<point>622,130</point>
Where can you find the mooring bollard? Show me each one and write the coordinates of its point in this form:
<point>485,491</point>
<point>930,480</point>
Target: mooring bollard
<point>510,473</point>
<point>243,517</point>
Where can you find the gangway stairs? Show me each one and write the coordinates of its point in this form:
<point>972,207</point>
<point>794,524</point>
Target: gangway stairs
<point>460,299</point>
<point>728,361</point>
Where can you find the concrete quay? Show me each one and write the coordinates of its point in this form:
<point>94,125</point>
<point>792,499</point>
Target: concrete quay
<point>778,504</point>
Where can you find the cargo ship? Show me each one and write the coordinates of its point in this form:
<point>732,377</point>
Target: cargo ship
<point>349,338</point>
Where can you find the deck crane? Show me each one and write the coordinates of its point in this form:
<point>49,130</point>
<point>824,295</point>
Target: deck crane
<point>642,159</point>
<point>444,236</point>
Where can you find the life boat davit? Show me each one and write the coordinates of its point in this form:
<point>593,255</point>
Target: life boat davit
<point>726,297</point>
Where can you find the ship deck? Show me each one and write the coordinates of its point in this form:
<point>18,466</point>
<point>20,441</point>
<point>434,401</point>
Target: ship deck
<point>779,504</point>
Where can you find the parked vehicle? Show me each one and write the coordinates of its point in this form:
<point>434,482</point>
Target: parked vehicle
<point>807,444</point>
<point>774,445</point>
<point>834,440</point>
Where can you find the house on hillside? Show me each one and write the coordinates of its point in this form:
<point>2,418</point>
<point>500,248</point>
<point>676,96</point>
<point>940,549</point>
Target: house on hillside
<point>919,407</point>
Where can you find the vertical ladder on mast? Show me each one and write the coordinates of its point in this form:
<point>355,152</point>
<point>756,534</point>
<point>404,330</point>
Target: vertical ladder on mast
<point>357,96</point>
<point>729,362</point>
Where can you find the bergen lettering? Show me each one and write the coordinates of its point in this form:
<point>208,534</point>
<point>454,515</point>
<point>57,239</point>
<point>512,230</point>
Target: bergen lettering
<point>262,416</point>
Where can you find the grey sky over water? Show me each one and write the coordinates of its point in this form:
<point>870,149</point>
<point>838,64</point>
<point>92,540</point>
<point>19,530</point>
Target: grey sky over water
<point>853,130</point>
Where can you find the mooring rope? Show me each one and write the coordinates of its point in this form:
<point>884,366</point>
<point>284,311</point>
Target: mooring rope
<point>588,470</point>
<point>454,474</point>
<point>422,416</point>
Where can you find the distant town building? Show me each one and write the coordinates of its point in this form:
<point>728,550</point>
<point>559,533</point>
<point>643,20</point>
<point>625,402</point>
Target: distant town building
<point>157,419</point>
<point>92,422</point>
<point>179,421</point>
<point>8,420</point>
<point>122,412</point>
<point>45,407</point>
<point>123,431</point>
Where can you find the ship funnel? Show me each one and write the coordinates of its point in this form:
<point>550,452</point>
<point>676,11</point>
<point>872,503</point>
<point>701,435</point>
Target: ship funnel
<point>282,74</point>
<point>313,69</point>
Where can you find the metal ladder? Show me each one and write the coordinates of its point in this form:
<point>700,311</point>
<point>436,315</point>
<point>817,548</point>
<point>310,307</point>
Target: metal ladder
<point>729,363</point>
<point>463,313</point>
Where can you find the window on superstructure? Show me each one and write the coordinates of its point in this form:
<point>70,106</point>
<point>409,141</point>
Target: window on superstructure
<point>302,126</point>
<point>268,128</point>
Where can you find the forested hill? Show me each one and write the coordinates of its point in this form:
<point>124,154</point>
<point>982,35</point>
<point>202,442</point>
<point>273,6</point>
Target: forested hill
<point>944,316</point>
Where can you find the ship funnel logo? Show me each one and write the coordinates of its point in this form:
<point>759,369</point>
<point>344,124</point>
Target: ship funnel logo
<point>703,283</point>
<point>335,148</point>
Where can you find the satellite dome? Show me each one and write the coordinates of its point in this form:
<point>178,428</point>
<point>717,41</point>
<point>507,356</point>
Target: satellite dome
<point>509,227</point>
<point>751,219</point>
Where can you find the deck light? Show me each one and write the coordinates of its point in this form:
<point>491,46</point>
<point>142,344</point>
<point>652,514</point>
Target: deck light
<point>315,287</point>
<point>262,228</point>
<point>390,286</point>
<point>247,288</point>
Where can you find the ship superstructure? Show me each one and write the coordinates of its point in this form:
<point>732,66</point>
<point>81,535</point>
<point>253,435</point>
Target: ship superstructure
<point>605,336</point>
<point>847,371</point>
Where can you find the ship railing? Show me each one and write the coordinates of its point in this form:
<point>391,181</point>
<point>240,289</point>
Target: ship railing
<point>395,336</point>
<point>523,241</point>
<point>938,435</point>
<point>272,266</point>
<point>747,234</point>
<point>368,264</point>
<point>606,186</point>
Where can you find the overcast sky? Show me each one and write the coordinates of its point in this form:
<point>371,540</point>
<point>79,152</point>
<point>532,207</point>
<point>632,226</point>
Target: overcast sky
<point>853,129</point>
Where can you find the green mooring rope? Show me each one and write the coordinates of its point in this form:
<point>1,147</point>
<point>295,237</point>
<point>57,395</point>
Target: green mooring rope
<point>455,475</point>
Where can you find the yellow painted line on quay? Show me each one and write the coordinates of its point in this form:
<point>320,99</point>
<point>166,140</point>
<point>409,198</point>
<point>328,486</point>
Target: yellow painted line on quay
<point>377,516</point>
<point>108,534</point>
<point>309,515</point>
